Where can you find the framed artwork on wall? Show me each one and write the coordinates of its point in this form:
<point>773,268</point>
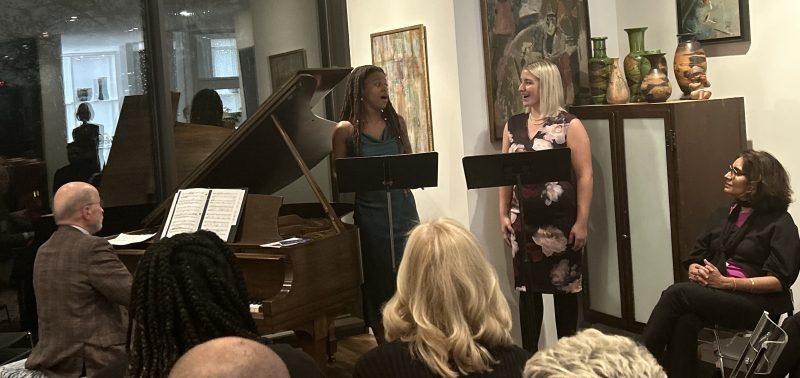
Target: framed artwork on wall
<point>283,66</point>
<point>715,21</point>
<point>518,32</point>
<point>402,53</point>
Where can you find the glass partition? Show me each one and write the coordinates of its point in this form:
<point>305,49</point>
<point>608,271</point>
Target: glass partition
<point>78,98</point>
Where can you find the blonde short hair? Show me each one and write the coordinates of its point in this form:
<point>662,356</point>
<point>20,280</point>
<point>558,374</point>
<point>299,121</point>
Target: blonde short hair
<point>448,303</point>
<point>591,353</point>
<point>551,92</point>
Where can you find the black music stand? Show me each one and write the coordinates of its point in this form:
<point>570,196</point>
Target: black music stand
<point>408,171</point>
<point>489,171</point>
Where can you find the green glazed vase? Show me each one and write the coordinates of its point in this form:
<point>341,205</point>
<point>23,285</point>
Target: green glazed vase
<point>635,66</point>
<point>599,70</point>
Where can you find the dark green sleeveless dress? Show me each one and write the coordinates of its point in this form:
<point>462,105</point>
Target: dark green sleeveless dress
<point>372,218</point>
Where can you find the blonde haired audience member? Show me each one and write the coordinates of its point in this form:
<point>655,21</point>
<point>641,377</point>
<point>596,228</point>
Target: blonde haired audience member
<point>448,317</point>
<point>591,353</point>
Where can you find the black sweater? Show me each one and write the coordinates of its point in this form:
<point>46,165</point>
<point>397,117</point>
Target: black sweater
<point>394,360</point>
<point>769,246</point>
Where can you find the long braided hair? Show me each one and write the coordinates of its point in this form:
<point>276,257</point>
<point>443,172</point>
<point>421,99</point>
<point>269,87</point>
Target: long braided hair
<point>353,109</point>
<point>188,289</point>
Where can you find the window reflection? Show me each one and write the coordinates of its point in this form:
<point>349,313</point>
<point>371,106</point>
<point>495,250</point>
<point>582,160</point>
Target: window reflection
<point>55,56</point>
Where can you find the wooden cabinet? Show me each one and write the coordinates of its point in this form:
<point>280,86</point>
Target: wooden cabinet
<point>658,174</point>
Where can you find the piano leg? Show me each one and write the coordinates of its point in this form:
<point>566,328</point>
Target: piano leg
<point>314,339</point>
<point>332,342</point>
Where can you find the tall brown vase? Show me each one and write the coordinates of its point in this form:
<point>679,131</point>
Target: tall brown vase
<point>690,68</point>
<point>655,84</point>
<point>617,92</point>
<point>635,66</point>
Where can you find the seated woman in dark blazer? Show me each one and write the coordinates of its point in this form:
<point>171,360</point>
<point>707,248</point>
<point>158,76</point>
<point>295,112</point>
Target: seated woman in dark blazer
<point>742,264</point>
<point>448,317</point>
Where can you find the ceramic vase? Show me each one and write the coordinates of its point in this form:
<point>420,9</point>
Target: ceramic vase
<point>690,68</point>
<point>599,70</point>
<point>635,66</point>
<point>617,92</point>
<point>655,84</point>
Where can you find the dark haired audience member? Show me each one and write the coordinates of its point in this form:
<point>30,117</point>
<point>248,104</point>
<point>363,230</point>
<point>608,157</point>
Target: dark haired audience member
<point>742,264</point>
<point>188,289</point>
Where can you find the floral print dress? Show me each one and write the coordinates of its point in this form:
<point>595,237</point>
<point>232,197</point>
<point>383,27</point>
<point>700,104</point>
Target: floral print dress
<point>550,212</point>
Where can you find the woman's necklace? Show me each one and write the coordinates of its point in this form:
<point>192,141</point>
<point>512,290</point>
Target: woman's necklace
<point>534,125</point>
<point>535,120</point>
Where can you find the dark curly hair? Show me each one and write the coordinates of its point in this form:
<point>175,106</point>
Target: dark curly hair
<point>353,108</point>
<point>188,289</point>
<point>769,183</point>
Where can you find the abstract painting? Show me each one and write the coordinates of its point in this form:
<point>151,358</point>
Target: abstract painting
<point>518,32</point>
<point>402,55</point>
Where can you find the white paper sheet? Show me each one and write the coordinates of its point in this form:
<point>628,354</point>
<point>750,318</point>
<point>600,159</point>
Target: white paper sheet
<point>126,239</point>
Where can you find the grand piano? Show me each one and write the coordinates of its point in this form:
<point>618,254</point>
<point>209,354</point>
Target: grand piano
<point>300,288</point>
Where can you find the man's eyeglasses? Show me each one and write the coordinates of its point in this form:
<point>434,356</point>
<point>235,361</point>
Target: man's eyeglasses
<point>736,172</point>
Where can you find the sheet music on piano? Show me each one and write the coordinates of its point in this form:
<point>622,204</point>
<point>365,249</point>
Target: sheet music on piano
<point>215,210</point>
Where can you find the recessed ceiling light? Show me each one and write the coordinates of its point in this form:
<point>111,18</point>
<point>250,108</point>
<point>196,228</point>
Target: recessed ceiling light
<point>186,13</point>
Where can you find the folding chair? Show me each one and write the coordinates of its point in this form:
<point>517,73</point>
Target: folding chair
<point>756,356</point>
<point>10,349</point>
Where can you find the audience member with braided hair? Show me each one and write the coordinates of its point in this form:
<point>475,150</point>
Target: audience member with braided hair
<point>188,289</point>
<point>448,317</point>
<point>370,126</point>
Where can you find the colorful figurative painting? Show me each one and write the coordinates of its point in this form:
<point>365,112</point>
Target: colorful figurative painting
<point>714,21</point>
<point>402,55</point>
<point>518,32</point>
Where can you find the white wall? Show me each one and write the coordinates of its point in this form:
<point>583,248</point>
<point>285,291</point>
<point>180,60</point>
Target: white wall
<point>370,16</point>
<point>484,218</point>
<point>458,97</point>
<point>459,111</point>
<point>763,72</point>
<point>603,23</point>
<point>275,33</point>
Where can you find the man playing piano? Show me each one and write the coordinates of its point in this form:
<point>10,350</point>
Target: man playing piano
<point>81,288</point>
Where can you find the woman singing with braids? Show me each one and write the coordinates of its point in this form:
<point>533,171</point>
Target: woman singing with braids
<point>188,289</point>
<point>371,127</point>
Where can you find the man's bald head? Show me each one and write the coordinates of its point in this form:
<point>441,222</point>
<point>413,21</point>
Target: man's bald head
<point>70,206</point>
<point>230,357</point>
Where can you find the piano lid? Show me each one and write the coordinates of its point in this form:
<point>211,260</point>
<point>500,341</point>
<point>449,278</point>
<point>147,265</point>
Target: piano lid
<point>256,156</point>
